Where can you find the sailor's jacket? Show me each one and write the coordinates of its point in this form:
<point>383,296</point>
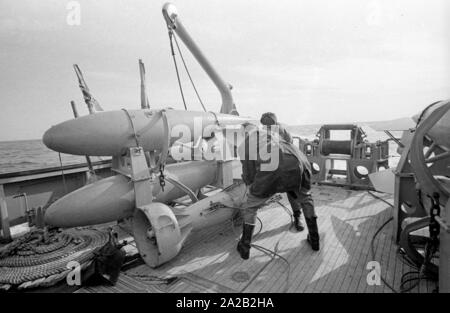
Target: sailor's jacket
<point>271,164</point>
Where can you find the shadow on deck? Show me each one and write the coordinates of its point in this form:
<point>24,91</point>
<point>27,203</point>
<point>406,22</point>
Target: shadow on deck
<point>347,222</point>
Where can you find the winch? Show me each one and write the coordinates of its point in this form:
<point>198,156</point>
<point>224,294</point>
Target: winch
<point>341,150</point>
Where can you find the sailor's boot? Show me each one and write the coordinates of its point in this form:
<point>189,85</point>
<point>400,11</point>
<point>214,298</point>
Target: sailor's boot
<point>313,233</point>
<point>243,246</point>
<point>296,210</point>
<point>298,222</point>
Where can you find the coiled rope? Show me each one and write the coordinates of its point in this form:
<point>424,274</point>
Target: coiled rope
<point>37,260</point>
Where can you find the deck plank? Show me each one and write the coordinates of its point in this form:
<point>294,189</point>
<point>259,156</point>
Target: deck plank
<point>341,254</point>
<point>344,237</point>
<point>347,222</point>
<point>359,281</point>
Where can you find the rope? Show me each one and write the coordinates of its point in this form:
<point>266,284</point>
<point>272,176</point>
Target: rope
<point>215,117</point>
<point>288,212</point>
<point>62,172</point>
<point>176,67</point>
<point>372,250</point>
<point>154,279</point>
<point>188,73</point>
<point>272,253</point>
<point>233,225</point>
<point>34,260</point>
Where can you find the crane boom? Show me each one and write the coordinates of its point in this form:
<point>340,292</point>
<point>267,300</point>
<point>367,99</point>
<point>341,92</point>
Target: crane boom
<point>173,23</point>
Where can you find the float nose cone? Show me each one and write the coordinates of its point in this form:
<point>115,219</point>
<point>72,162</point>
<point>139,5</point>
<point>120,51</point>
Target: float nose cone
<point>104,201</point>
<point>65,137</point>
<point>101,134</point>
<point>47,139</point>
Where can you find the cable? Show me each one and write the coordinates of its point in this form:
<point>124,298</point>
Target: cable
<point>62,172</point>
<point>379,198</point>
<point>272,253</point>
<point>372,250</point>
<point>176,68</point>
<point>154,279</point>
<point>288,212</point>
<point>189,75</point>
<point>420,271</point>
<point>233,225</point>
<point>405,280</point>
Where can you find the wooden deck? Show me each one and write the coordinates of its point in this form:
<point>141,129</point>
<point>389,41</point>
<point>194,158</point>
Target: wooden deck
<point>347,222</point>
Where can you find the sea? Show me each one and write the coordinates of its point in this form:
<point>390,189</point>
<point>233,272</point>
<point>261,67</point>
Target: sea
<point>25,155</point>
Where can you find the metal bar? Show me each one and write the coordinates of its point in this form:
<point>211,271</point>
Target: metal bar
<point>144,99</point>
<point>397,141</point>
<point>338,172</point>
<point>4,215</point>
<point>68,169</point>
<point>92,104</point>
<point>174,181</point>
<point>174,23</point>
<point>74,108</point>
<point>438,157</point>
<point>430,150</point>
<point>91,176</point>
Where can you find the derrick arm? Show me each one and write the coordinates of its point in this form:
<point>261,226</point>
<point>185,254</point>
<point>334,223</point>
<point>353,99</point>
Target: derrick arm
<point>174,24</point>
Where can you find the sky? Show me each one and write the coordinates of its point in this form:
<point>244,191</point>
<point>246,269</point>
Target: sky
<point>308,61</point>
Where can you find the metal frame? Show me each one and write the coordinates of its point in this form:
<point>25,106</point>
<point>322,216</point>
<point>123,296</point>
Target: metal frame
<point>406,199</point>
<point>372,156</point>
<point>444,251</point>
<point>6,232</point>
<point>414,178</point>
<point>9,180</point>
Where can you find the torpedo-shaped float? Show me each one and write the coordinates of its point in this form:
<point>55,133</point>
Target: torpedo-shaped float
<point>111,199</point>
<point>113,132</point>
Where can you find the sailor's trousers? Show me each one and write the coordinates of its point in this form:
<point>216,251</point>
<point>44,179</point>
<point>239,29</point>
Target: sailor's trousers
<point>299,199</point>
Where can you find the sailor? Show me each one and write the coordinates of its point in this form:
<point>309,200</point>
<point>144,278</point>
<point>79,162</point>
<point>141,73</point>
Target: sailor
<point>269,119</point>
<point>272,165</point>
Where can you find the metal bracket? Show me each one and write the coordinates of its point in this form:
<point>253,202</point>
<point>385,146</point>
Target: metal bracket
<point>141,177</point>
<point>24,195</point>
<point>4,218</point>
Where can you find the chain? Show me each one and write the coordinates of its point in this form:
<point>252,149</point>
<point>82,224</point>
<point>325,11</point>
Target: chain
<point>162,178</point>
<point>434,228</point>
<point>434,225</point>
